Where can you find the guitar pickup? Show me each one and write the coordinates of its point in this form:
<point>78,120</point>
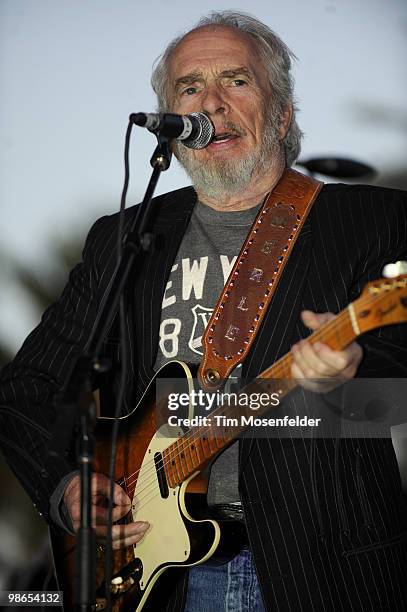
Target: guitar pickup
<point>161,477</point>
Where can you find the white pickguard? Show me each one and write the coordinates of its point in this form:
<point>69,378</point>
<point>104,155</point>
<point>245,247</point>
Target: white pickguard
<point>167,540</point>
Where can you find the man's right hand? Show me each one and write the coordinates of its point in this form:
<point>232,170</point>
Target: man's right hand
<point>122,535</point>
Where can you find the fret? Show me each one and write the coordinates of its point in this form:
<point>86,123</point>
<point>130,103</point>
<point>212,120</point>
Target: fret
<point>192,450</point>
<point>215,431</point>
<point>181,458</point>
<point>195,446</point>
<point>174,462</point>
<point>213,447</point>
<point>168,467</point>
<point>205,444</point>
<point>187,451</point>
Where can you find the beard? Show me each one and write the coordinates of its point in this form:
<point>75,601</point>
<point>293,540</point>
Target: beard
<point>215,177</point>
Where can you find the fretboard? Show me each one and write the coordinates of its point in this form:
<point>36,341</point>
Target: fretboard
<point>199,445</point>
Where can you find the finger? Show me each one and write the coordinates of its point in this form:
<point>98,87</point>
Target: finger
<point>315,320</point>
<point>296,371</point>
<point>124,535</point>
<point>310,379</point>
<point>317,385</point>
<point>345,362</point>
<point>319,361</point>
<point>311,361</point>
<point>336,361</point>
<point>100,484</point>
<point>73,486</point>
<point>120,532</point>
<point>131,536</point>
<point>129,541</point>
<point>120,497</point>
<point>307,383</point>
<point>100,515</point>
<point>75,513</point>
<point>72,493</point>
<point>101,488</point>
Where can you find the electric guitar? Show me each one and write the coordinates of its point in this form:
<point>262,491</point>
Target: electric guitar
<point>163,475</point>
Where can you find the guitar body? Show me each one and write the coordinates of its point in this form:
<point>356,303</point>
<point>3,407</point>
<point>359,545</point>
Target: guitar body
<point>174,540</point>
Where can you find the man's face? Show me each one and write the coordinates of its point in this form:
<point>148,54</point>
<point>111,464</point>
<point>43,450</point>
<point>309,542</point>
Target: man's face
<point>217,70</point>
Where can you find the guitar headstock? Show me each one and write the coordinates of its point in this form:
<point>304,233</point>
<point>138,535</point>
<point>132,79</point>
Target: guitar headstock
<point>383,302</point>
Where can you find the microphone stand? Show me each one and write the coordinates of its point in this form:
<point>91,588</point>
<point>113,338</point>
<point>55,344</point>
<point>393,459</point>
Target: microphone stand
<point>77,403</point>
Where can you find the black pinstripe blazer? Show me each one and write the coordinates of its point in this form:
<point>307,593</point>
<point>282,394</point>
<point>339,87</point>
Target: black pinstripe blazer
<point>326,518</point>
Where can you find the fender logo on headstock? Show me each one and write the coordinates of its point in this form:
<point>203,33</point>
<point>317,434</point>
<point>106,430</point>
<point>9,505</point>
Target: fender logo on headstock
<point>383,313</point>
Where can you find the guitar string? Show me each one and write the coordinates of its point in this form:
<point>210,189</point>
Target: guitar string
<point>197,434</point>
<point>334,326</point>
<point>182,444</point>
<point>280,366</point>
<point>185,439</point>
<point>142,500</point>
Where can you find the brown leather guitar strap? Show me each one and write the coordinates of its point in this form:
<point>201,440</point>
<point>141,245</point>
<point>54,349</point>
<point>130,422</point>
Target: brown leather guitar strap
<point>251,285</point>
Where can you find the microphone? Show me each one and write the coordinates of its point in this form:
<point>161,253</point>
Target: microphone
<point>195,130</point>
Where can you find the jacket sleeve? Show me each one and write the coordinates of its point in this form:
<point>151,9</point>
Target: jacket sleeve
<point>385,348</point>
<point>29,384</point>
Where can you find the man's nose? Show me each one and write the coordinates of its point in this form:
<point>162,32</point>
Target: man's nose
<point>214,101</point>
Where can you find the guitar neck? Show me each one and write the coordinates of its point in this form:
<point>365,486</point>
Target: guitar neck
<point>192,451</point>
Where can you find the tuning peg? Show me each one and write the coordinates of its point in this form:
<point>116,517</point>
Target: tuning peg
<point>395,269</point>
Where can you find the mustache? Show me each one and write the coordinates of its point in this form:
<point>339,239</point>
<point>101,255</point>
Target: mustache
<point>232,128</point>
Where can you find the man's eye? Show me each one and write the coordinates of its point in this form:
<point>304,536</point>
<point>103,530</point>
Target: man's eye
<point>189,91</point>
<point>239,82</point>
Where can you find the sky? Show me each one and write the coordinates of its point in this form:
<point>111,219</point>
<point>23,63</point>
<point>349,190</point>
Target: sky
<point>71,72</point>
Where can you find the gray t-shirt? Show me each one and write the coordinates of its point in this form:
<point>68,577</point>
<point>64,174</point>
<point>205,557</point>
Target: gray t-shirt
<point>203,263</point>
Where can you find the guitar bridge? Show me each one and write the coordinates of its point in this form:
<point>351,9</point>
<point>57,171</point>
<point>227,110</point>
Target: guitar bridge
<point>129,574</point>
<point>119,586</point>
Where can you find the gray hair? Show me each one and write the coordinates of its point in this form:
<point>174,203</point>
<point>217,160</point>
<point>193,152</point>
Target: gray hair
<point>276,57</point>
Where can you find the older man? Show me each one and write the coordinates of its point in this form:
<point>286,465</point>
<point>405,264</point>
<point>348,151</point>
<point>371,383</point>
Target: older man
<point>325,518</point>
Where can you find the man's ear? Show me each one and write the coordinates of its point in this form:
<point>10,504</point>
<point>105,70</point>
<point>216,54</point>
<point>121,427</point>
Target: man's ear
<point>285,121</point>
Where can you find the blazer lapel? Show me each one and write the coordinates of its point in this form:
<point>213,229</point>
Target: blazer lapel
<point>169,227</point>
